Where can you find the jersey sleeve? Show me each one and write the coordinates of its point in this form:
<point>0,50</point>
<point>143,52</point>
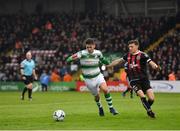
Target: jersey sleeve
<point>78,54</point>
<point>125,57</point>
<point>75,56</point>
<point>22,65</point>
<point>100,55</point>
<point>146,57</point>
<point>103,60</point>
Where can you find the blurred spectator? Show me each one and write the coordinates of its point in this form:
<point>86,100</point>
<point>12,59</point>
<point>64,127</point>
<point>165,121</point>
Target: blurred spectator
<point>55,77</point>
<point>63,71</point>
<point>18,45</point>
<point>172,76</point>
<point>2,76</point>
<point>48,26</point>
<point>123,76</point>
<point>178,75</point>
<point>167,55</point>
<point>67,77</point>
<point>44,80</point>
<point>54,36</point>
<point>35,30</point>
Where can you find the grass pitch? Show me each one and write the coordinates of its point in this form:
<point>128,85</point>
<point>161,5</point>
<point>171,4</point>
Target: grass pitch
<point>82,113</point>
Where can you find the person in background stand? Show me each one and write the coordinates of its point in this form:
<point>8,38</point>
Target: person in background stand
<point>44,80</point>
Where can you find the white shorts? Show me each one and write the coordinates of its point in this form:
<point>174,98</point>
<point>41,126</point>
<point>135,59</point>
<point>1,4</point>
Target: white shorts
<point>94,83</point>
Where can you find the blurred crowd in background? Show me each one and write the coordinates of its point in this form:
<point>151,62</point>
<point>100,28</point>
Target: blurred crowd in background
<point>54,36</point>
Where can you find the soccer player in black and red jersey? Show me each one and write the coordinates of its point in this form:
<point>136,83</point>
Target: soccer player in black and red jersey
<point>137,74</point>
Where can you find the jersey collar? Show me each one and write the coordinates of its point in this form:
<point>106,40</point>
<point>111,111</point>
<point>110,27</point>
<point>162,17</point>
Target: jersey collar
<point>137,52</point>
<point>28,60</point>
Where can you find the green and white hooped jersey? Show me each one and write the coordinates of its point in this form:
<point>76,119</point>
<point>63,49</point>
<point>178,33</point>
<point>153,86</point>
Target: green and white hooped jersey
<point>90,63</point>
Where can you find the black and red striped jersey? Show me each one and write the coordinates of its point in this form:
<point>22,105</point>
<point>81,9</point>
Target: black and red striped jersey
<point>136,65</point>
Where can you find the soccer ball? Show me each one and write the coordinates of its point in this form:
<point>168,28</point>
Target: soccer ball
<point>59,115</point>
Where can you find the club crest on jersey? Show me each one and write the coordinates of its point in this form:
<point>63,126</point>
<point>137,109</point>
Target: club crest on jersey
<point>138,57</point>
<point>133,65</point>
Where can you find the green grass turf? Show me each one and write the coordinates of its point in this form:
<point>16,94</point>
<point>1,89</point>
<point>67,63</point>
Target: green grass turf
<point>82,113</point>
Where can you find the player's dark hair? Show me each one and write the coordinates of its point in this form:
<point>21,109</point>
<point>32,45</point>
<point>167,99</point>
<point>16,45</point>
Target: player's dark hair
<point>136,42</point>
<point>89,41</point>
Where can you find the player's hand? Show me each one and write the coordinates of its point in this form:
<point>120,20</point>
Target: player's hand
<point>23,77</point>
<point>109,67</point>
<point>158,68</point>
<point>103,67</point>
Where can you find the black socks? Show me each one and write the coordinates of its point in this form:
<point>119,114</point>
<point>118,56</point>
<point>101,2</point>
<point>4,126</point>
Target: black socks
<point>150,102</point>
<point>24,91</point>
<point>29,93</point>
<point>145,104</point>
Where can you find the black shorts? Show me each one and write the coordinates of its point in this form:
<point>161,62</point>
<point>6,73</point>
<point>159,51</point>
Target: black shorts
<point>143,85</point>
<point>29,79</point>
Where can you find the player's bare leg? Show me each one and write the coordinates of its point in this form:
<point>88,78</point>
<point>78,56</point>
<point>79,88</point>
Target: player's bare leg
<point>108,97</point>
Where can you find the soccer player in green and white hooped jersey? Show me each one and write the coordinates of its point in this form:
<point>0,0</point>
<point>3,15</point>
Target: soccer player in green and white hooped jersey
<point>89,61</point>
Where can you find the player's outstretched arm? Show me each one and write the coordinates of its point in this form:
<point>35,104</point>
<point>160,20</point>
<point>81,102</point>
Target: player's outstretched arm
<point>116,62</point>
<point>154,66</point>
<point>72,58</point>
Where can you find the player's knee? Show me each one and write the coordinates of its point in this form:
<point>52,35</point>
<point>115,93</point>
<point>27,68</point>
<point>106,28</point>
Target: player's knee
<point>29,86</point>
<point>140,94</point>
<point>106,91</point>
<point>150,97</point>
<point>103,86</point>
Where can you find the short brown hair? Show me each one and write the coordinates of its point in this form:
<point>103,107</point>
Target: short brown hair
<point>89,41</point>
<point>136,42</point>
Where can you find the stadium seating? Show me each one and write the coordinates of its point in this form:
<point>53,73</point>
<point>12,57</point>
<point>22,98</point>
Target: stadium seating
<point>167,55</point>
<point>64,34</point>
